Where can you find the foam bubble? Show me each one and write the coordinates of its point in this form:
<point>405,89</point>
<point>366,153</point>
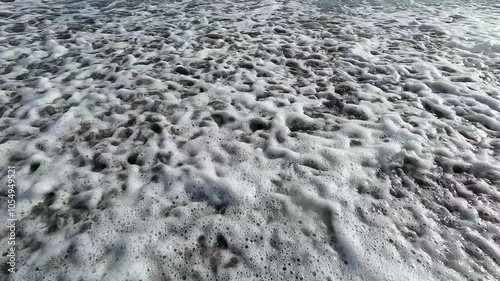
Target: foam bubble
<point>256,140</point>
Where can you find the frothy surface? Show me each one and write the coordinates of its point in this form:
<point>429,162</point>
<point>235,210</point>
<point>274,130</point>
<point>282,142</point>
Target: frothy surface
<point>252,140</point>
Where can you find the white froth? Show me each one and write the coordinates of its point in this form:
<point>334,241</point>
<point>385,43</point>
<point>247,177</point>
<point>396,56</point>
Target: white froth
<point>252,140</point>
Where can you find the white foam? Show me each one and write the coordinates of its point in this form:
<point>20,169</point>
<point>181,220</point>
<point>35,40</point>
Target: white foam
<point>255,140</point>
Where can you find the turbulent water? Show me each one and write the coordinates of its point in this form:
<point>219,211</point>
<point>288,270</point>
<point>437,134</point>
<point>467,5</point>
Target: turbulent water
<point>251,140</point>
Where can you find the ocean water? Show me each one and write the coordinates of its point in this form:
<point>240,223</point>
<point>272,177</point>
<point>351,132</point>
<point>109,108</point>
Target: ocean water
<point>251,140</point>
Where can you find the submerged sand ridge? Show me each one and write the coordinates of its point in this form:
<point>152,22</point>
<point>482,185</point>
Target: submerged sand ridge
<point>251,140</point>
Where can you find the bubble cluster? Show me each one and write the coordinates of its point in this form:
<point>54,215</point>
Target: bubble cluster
<point>252,140</point>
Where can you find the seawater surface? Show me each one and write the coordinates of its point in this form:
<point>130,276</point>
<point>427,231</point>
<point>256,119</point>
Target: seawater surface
<point>252,140</point>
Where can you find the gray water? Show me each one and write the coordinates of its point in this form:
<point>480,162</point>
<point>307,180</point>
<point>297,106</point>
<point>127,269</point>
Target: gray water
<point>342,5</point>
